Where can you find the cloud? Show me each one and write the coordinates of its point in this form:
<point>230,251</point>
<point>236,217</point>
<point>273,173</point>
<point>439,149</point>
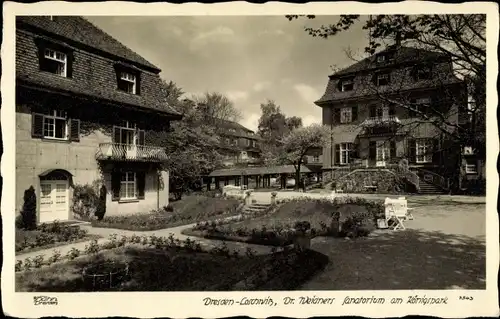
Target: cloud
<point>219,34</point>
<point>237,95</point>
<point>310,119</point>
<point>272,32</point>
<point>261,86</point>
<point>251,121</point>
<point>307,93</point>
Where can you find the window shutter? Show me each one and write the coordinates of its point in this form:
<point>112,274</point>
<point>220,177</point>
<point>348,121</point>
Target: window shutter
<point>373,111</point>
<point>36,125</point>
<point>414,73</point>
<point>138,83</point>
<point>388,78</point>
<point>74,130</point>
<point>354,113</point>
<point>116,134</point>
<point>412,150</point>
<point>412,105</point>
<point>373,150</point>
<point>337,154</point>
<point>141,137</point>
<point>435,151</point>
<point>393,149</point>
<point>115,185</point>
<point>141,184</point>
<point>339,85</point>
<point>336,116</point>
<point>41,54</point>
<point>374,79</point>
<point>69,67</point>
<point>354,151</point>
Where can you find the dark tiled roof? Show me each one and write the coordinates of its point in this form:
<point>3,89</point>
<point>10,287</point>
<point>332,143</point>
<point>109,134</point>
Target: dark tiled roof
<point>239,130</point>
<point>333,94</point>
<point>52,82</point>
<point>80,30</point>
<point>401,55</point>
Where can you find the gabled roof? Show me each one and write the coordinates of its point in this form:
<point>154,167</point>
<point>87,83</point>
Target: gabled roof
<point>80,30</point>
<point>400,55</point>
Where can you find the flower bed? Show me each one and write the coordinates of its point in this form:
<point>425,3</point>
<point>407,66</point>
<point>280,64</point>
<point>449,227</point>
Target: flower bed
<point>344,216</point>
<point>48,236</point>
<point>167,264</point>
<point>190,209</point>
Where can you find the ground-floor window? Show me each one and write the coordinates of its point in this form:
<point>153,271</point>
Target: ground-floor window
<point>128,185</point>
<point>423,149</point>
<point>470,167</point>
<point>343,152</point>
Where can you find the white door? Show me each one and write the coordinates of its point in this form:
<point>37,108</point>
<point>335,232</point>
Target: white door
<point>54,201</point>
<point>382,153</point>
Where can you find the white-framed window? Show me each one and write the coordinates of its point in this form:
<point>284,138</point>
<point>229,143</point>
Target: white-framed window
<point>345,151</point>
<point>382,79</point>
<point>249,142</point>
<point>128,185</point>
<point>346,115</point>
<point>55,125</point>
<point>315,158</point>
<point>56,62</point>
<point>347,85</point>
<point>232,130</point>
<point>470,168</point>
<point>380,58</point>
<point>128,133</point>
<point>468,150</point>
<point>127,82</point>
<point>423,150</point>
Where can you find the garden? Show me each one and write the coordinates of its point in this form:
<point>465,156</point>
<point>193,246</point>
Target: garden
<point>190,209</point>
<point>150,263</point>
<point>280,225</point>
<point>31,236</point>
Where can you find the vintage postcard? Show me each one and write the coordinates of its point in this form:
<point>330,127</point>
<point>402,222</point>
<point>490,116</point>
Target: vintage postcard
<point>195,160</point>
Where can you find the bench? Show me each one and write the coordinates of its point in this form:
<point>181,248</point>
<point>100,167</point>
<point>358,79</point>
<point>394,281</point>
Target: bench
<point>372,188</point>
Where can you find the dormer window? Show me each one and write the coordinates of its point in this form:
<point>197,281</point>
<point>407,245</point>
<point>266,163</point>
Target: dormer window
<point>382,79</point>
<point>423,73</point>
<point>55,62</point>
<point>347,85</point>
<point>380,58</point>
<point>127,82</point>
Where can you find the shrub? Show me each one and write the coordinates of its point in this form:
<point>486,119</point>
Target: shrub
<point>101,204</point>
<point>169,208</point>
<point>85,200</point>
<point>28,213</point>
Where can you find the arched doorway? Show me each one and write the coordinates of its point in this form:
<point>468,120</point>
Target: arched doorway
<point>54,195</point>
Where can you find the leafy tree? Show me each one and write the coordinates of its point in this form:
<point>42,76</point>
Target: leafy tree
<point>273,127</point>
<point>297,143</point>
<point>462,37</point>
<point>213,106</point>
<point>191,143</point>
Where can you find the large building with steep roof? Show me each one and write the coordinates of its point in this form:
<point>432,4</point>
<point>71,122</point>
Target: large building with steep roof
<point>85,104</point>
<point>389,107</point>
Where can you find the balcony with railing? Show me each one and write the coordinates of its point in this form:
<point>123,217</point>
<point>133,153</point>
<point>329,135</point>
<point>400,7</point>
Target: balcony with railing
<point>381,121</point>
<point>130,153</point>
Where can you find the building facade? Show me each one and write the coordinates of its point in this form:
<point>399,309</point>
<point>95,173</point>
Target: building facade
<point>401,103</point>
<point>239,145</point>
<point>85,104</point>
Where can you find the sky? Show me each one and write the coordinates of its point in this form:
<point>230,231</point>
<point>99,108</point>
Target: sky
<point>250,59</point>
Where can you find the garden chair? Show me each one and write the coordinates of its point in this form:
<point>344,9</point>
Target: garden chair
<point>404,202</point>
<point>394,211</point>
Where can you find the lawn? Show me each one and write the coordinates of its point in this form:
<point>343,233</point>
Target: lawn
<point>442,248</point>
<point>190,209</point>
<point>177,269</point>
<point>276,228</point>
<point>47,236</point>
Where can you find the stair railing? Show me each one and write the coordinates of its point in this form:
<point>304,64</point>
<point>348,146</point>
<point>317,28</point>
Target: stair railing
<point>437,179</point>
